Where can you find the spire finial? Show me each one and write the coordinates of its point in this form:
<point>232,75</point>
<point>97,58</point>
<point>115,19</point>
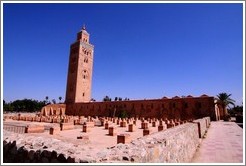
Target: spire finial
<point>83,27</point>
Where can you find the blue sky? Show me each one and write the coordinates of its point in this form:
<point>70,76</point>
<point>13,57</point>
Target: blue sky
<point>142,51</point>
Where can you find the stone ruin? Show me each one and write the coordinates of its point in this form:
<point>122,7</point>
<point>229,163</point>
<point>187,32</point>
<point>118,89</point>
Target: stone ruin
<point>132,139</point>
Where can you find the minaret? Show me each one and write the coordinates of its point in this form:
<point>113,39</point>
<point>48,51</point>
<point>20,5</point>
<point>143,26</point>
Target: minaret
<point>80,69</point>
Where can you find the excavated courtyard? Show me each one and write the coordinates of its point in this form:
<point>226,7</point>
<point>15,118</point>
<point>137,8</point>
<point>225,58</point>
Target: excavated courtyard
<point>80,136</point>
<point>34,138</point>
<point>97,138</point>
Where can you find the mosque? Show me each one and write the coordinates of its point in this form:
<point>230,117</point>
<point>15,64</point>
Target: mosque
<point>79,86</point>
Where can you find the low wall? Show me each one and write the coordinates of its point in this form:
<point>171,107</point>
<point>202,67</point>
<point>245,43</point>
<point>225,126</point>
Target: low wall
<point>14,128</point>
<point>203,124</point>
<point>23,128</point>
<point>174,145</point>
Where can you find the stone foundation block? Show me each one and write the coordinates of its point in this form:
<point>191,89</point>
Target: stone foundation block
<point>177,123</point>
<point>162,127</point>
<point>112,131</point>
<point>106,125</point>
<point>131,127</point>
<point>86,128</point>
<point>34,129</point>
<point>144,125</point>
<point>89,124</point>
<point>54,130</point>
<point>67,126</point>
<point>102,122</point>
<point>123,138</point>
<point>123,124</point>
<point>170,125</point>
<point>146,132</point>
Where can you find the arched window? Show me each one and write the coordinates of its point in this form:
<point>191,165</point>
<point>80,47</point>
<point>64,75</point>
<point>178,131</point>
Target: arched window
<point>86,60</point>
<point>85,74</point>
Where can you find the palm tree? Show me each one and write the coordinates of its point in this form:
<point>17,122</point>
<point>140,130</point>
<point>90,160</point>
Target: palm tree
<point>54,101</point>
<point>224,100</point>
<point>60,98</point>
<point>92,100</point>
<point>46,99</point>
<point>106,98</point>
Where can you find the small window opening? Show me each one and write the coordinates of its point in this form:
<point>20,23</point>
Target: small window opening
<point>174,105</point>
<point>186,105</point>
<point>199,105</point>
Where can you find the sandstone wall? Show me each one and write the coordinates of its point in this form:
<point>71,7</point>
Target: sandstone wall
<point>180,108</point>
<point>203,124</point>
<point>23,128</point>
<point>53,109</point>
<point>14,128</point>
<point>174,145</point>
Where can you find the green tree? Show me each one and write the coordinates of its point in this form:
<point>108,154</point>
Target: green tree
<point>54,101</point>
<point>123,114</point>
<point>46,100</point>
<point>92,100</point>
<point>237,110</point>
<point>7,107</point>
<point>60,98</point>
<point>106,98</point>
<point>25,105</point>
<point>224,100</point>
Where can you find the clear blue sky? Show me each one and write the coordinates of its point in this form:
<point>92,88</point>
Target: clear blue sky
<point>141,50</point>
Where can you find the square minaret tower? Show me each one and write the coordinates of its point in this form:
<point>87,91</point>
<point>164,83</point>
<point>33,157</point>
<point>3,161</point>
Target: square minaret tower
<point>80,69</point>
